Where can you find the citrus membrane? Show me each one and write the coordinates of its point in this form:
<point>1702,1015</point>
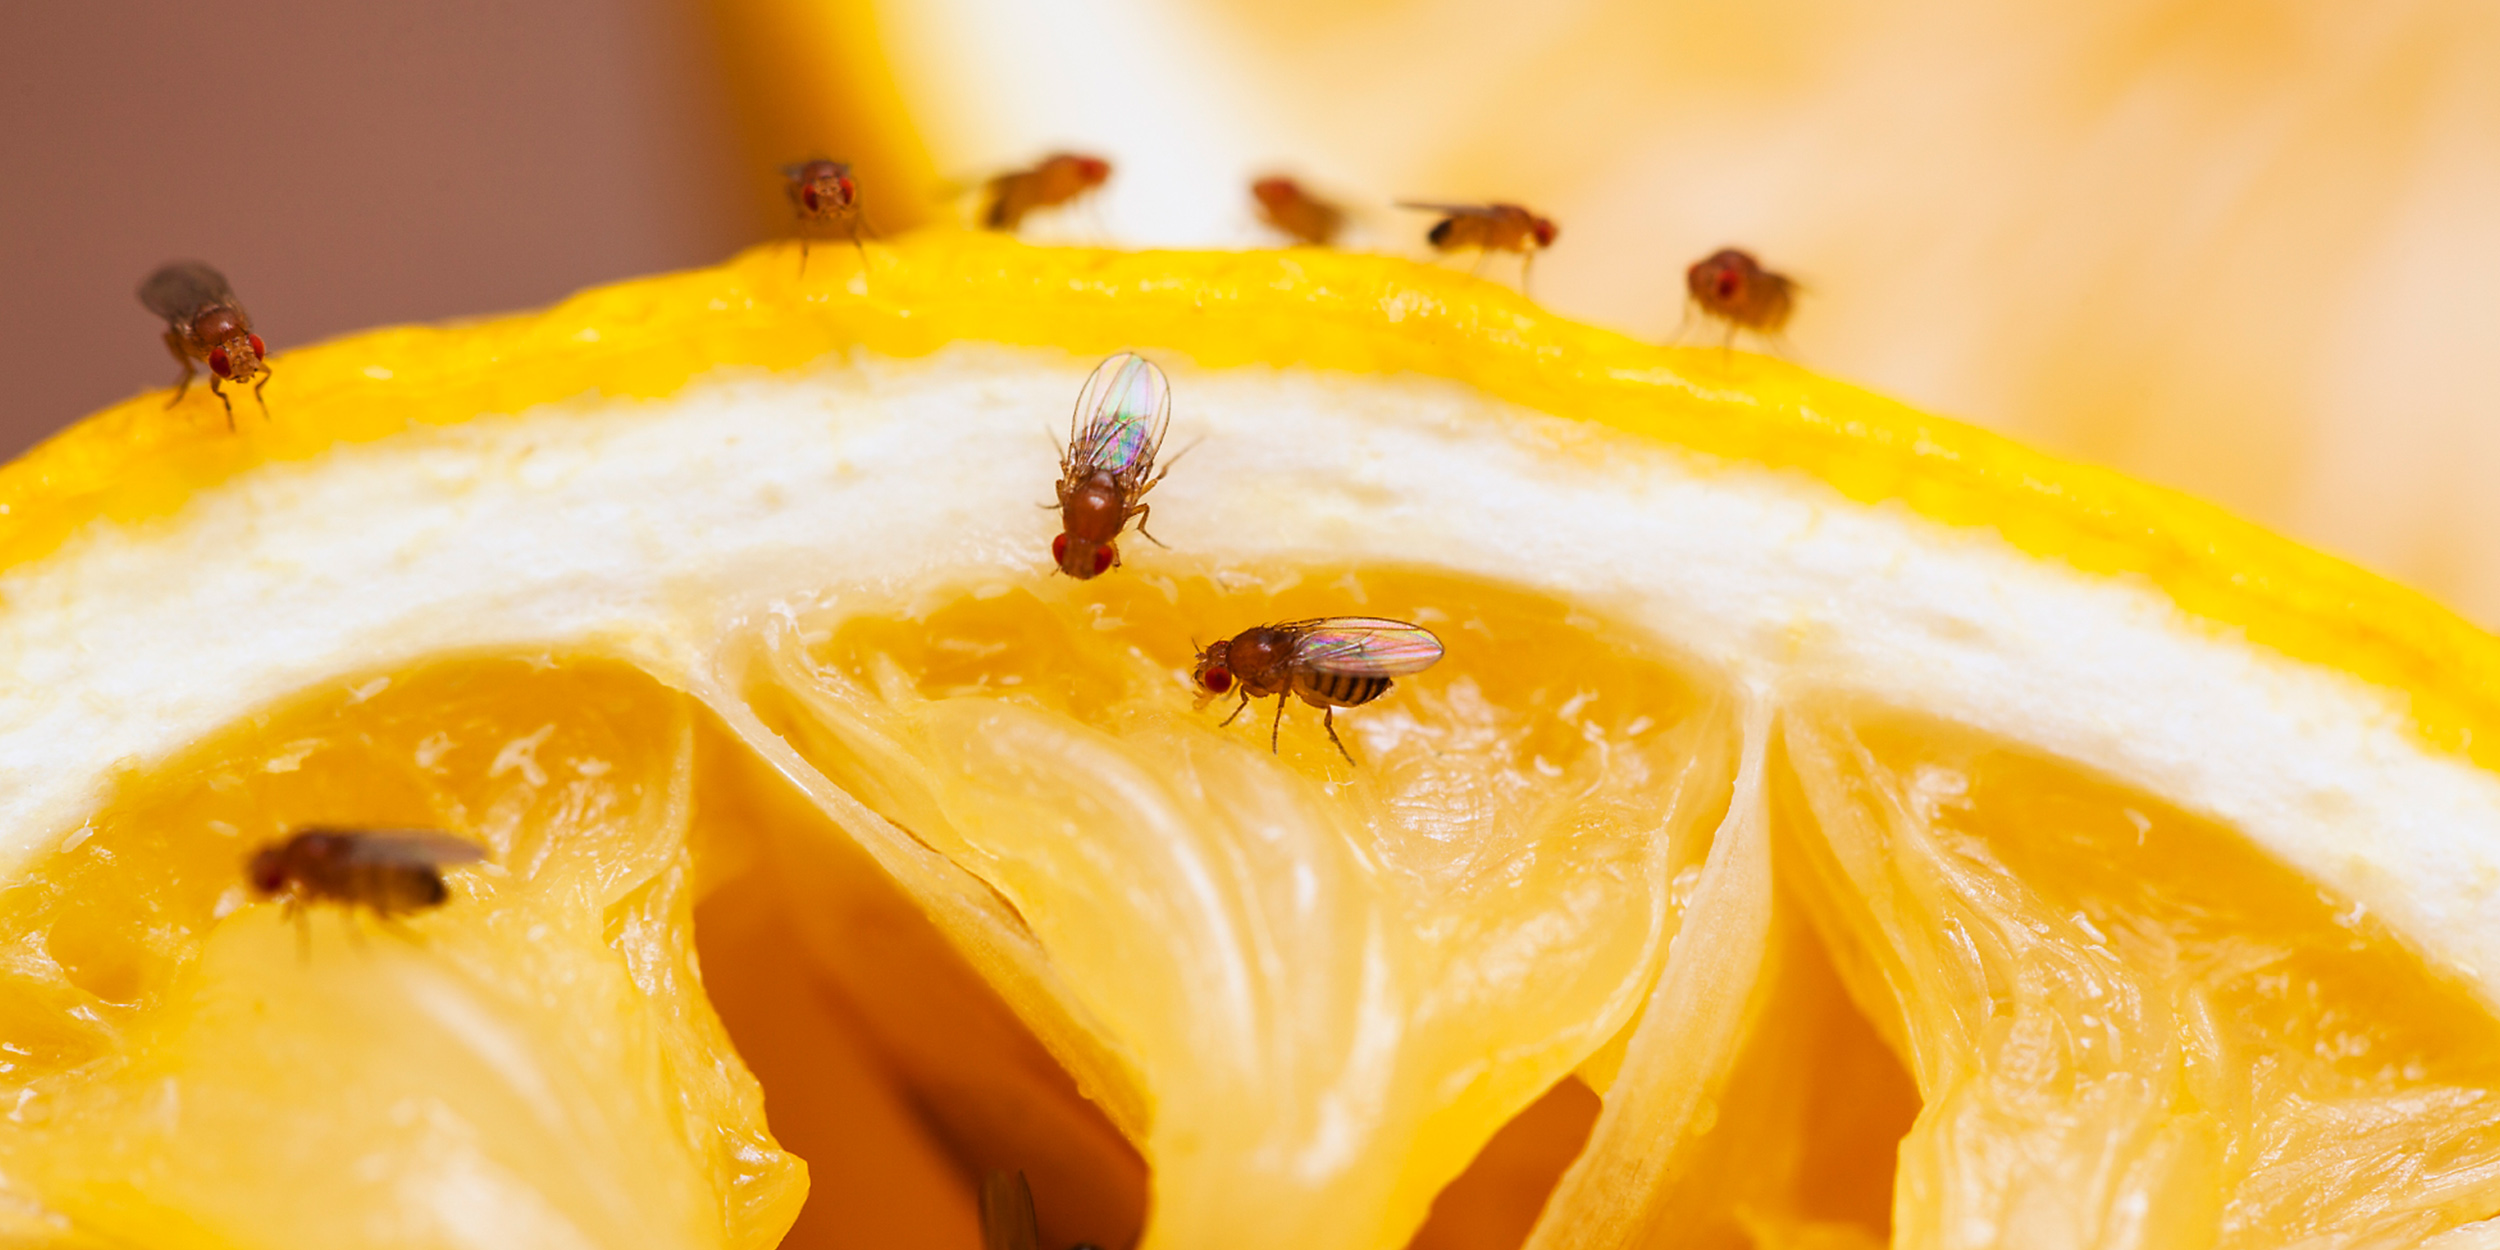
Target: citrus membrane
<point>1762,866</point>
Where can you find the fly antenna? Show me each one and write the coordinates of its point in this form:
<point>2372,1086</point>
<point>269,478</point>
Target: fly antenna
<point>1176,456</point>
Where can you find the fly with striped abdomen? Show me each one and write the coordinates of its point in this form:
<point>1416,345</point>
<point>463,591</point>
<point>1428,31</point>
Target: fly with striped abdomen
<point>1109,462</point>
<point>390,872</point>
<point>1331,662</point>
<point>1489,228</point>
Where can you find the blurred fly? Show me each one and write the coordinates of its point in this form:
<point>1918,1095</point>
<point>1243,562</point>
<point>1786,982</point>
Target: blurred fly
<point>1109,462</point>
<point>390,872</point>
<point>1058,179</point>
<point>1008,1220</point>
<point>825,197</point>
<point>1489,228</point>
<point>1732,287</point>
<point>204,322</point>
<point>1291,209</point>
<point>1332,662</point>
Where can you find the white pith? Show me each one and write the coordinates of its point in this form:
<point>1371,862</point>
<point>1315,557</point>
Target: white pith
<point>663,529</point>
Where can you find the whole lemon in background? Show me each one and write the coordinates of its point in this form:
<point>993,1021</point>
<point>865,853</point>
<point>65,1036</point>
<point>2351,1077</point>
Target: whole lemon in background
<point>2240,249</point>
<point>1831,826</point>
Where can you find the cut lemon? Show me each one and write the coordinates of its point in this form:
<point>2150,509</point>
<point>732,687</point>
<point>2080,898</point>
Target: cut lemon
<point>1829,825</point>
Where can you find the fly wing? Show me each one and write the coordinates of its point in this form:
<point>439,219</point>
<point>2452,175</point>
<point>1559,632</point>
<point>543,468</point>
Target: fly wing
<point>1454,210</point>
<point>1007,1218</point>
<point>428,848</point>
<point>1365,646</point>
<point>1120,420</point>
<point>178,291</point>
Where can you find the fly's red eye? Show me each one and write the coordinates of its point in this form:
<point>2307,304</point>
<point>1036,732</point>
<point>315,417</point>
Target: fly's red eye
<point>268,871</point>
<point>808,197</point>
<point>1728,282</point>
<point>217,363</point>
<point>259,348</point>
<point>845,186</point>
<point>1216,680</point>
<point>1059,549</point>
<point>1103,558</point>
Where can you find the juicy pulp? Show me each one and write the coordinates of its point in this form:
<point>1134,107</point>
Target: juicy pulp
<point>1291,998</point>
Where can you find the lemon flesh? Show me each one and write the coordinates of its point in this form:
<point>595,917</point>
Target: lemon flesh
<point>1761,867</point>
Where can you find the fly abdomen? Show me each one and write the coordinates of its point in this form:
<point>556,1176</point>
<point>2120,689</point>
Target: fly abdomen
<point>394,888</point>
<point>1341,689</point>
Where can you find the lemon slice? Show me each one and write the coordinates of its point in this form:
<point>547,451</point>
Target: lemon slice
<point>1829,824</point>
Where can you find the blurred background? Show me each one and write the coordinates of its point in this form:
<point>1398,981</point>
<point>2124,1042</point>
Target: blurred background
<point>2249,248</point>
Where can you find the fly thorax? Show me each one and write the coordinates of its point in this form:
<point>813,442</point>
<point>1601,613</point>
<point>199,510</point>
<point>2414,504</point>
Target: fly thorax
<point>1259,658</point>
<point>1094,510</point>
<point>218,326</point>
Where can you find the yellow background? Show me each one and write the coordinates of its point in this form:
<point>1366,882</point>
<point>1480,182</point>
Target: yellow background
<point>2250,248</point>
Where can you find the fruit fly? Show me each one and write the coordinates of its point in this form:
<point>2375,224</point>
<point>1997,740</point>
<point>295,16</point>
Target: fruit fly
<point>1293,210</point>
<point>388,871</point>
<point>1489,228</point>
<point>204,322</point>
<point>824,196</point>
<point>1109,462</point>
<point>1059,178</point>
<point>1008,1221</point>
<point>1332,662</point>
<point>1733,287</point>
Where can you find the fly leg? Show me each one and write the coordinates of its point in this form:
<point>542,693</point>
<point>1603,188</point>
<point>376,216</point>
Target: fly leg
<point>1238,709</point>
<point>1277,727</point>
<point>1167,465</point>
<point>223,398</point>
<point>173,343</point>
<point>1140,512</point>
<point>1483,254</point>
<point>1527,261</point>
<point>294,911</point>
<point>266,373</point>
<point>1682,325</point>
<point>1328,721</point>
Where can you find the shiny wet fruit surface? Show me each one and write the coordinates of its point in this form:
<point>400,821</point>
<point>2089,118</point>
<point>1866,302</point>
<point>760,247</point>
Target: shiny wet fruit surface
<point>1255,998</point>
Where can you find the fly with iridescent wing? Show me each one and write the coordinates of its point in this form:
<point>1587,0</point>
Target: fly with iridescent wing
<point>1108,465</point>
<point>1331,662</point>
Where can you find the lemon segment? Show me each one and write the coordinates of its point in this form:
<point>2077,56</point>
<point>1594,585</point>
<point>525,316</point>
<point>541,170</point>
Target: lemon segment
<point>535,1061</point>
<point>1382,963</point>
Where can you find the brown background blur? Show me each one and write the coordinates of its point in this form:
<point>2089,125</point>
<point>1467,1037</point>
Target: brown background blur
<point>346,165</point>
